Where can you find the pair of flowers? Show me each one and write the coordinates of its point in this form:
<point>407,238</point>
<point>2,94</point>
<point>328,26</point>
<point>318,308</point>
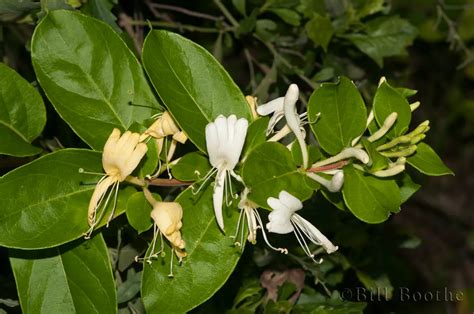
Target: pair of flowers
<point>225,138</point>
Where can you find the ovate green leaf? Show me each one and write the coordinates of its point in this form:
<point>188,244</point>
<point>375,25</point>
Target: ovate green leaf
<point>388,100</point>
<point>384,37</point>
<point>22,114</point>
<point>90,76</point>
<point>428,162</point>
<point>191,83</point>
<point>45,202</point>
<point>320,30</point>
<point>211,258</point>
<point>342,117</point>
<point>269,169</point>
<point>73,278</point>
<point>369,198</point>
<point>138,211</point>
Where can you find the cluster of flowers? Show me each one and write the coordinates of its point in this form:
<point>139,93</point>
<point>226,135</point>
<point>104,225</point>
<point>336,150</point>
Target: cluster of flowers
<point>225,138</point>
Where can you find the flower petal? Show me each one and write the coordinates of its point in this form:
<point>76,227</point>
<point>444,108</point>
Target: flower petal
<point>291,202</point>
<point>314,234</point>
<point>218,196</point>
<point>212,143</point>
<point>272,106</point>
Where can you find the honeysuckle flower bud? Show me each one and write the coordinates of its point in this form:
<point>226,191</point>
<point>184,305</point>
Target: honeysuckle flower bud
<point>121,155</point>
<point>387,124</point>
<point>414,106</point>
<point>333,185</point>
<point>254,222</point>
<point>391,171</point>
<point>283,219</point>
<point>225,139</point>
<point>350,152</point>
<point>293,120</point>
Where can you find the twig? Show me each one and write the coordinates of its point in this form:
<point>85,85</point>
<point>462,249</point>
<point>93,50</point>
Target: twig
<point>181,27</point>
<point>226,13</point>
<point>185,11</point>
<point>248,57</point>
<point>167,182</point>
<point>333,166</point>
<point>454,39</point>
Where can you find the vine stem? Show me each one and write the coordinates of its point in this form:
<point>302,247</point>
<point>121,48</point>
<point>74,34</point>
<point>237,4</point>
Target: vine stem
<point>167,182</point>
<point>333,166</point>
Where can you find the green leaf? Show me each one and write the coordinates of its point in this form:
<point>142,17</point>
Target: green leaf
<point>288,16</point>
<point>406,92</point>
<point>191,167</point>
<point>191,83</point>
<point>240,6</point>
<point>74,278</point>
<point>377,160</point>
<point>211,258</point>
<point>343,115</point>
<point>388,100</point>
<point>368,7</point>
<point>426,161</point>
<point>407,187</point>
<point>320,30</point>
<point>44,203</point>
<point>270,169</point>
<point>256,135</point>
<point>90,76</point>
<point>384,37</point>
<point>138,211</point>
<point>22,114</point>
<point>12,9</point>
<point>101,9</point>
<point>370,199</point>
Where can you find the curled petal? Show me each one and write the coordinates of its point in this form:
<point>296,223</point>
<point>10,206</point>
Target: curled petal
<point>218,196</point>
<point>272,106</point>
<point>290,201</point>
<point>99,193</point>
<point>212,143</point>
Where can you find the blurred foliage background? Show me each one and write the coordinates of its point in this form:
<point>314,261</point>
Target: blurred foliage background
<point>265,45</point>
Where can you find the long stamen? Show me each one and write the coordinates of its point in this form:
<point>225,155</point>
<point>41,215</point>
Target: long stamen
<point>301,240</point>
<point>204,181</point>
<point>170,275</point>
<point>239,221</point>
<point>81,170</point>
<point>260,225</point>
<point>115,188</point>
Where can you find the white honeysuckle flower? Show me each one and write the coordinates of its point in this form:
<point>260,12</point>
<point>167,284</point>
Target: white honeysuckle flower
<point>225,139</point>
<point>122,154</point>
<point>254,222</point>
<point>283,219</point>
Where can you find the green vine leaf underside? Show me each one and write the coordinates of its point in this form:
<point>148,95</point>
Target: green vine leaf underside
<point>192,84</point>
<point>343,115</point>
<point>369,198</point>
<point>428,162</point>
<point>22,114</point>
<point>74,278</point>
<point>44,203</point>
<point>211,258</point>
<point>270,169</point>
<point>90,76</point>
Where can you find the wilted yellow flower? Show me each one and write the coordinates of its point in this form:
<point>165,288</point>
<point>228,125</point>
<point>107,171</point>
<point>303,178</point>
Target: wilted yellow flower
<point>122,154</point>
